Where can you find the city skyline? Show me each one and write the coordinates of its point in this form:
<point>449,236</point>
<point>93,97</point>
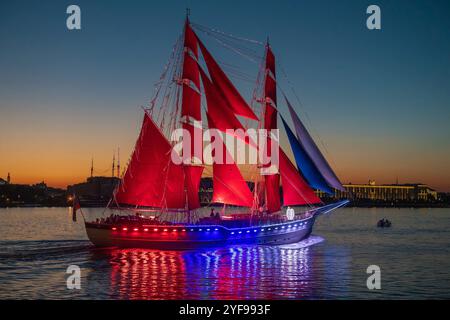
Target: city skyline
<point>378,99</point>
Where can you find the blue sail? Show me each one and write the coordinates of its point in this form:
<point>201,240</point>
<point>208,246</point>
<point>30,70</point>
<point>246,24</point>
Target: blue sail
<point>304,163</point>
<point>311,149</point>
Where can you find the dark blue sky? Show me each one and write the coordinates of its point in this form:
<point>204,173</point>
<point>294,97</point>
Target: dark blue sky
<point>380,100</point>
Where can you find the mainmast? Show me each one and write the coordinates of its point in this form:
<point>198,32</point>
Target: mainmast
<point>272,180</point>
<point>191,117</point>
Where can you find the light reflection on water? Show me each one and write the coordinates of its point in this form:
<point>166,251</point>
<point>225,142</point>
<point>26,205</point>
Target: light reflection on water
<point>37,245</point>
<point>231,273</point>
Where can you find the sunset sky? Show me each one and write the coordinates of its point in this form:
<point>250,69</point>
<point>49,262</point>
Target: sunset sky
<point>379,100</point>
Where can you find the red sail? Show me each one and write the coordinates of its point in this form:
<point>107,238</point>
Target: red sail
<point>191,110</point>
<point>229,186</point>
<point>222,117</point>
<point>272,184</point>
<point>192,144</point>
<point>270,60</point>
<point>270,114</point>
<point>190,39</point>
<point>270,123</point>
<point>192,176</point>
<point>152,179</point>
<point>191,103</point>
<point>231,95</point>
<point>295,189</point>
<point>191,79</point>
<point>190,69</point>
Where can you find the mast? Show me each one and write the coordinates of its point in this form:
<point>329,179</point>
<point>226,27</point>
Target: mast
<point>118,162</point>
<point>272,181</point>
<point>92,167</point>
<point>113,164</point>
<point>191,117</point>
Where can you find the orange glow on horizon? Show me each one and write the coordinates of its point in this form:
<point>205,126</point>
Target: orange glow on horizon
<point>58,151</point>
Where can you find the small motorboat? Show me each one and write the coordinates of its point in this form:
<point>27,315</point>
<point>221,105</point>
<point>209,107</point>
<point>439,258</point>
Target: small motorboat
<point>384,223</point>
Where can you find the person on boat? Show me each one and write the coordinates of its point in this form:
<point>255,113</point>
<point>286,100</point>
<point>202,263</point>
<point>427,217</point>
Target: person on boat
<point>290,213</point>
<point>217,215</point>
<point>212,213</point>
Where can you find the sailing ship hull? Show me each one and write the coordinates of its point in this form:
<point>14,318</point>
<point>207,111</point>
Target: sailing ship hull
<point>183,237</point>
<point>172,240</point>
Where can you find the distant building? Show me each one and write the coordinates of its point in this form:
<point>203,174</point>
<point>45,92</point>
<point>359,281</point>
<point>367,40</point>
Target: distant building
<point>7,181</point>
<point>14,195</point>
<point>385,192</point>
<point>95,190</point>
<point>370,192</point>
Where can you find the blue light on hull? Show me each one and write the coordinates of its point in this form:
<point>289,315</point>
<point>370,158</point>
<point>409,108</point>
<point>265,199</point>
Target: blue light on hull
<point>194,236</point>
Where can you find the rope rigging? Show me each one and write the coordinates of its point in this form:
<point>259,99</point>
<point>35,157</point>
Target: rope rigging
<point>165,105</point>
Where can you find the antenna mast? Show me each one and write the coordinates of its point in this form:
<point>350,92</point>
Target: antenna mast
<point>113,163</point>
<point>118,162</point>
<point>92,167</point>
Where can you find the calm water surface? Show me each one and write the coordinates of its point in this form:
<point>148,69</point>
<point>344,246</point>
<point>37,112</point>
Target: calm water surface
<point>37,245</point>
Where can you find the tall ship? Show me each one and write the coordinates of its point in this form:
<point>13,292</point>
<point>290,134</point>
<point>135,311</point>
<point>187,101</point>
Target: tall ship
<point>156,203</point>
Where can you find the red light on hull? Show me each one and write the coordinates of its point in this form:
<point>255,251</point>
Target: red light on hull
<point>124,229</point>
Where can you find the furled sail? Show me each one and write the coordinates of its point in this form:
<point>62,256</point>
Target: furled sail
<point>304,163</point>
<point>313,151</point>
<point>231,95</point>
<point>272,181</point>
<point>152,178</point>
<point>295,189</point>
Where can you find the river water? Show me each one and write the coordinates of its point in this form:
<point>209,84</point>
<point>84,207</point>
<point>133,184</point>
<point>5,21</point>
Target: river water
<point>38,244</point>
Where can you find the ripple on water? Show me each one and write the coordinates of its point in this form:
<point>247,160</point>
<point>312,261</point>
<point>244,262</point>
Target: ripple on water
<point>413,256</point>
